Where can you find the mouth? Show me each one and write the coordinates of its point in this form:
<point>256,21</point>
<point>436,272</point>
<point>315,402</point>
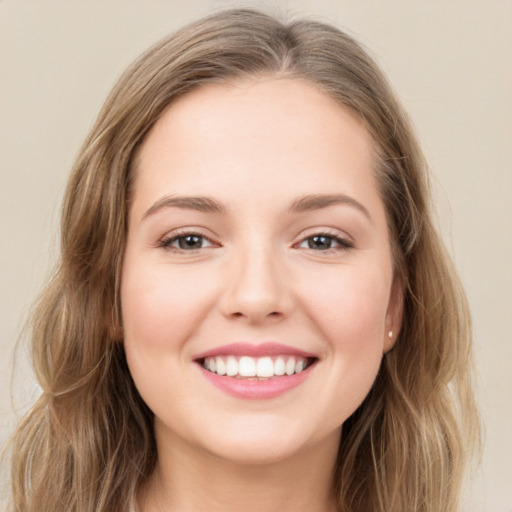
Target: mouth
<point>253,371</point>
<point>256,368</point>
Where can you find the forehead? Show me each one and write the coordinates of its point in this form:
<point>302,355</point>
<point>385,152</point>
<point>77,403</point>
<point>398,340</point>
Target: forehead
<point>283,134</point>
<point>257,103</point>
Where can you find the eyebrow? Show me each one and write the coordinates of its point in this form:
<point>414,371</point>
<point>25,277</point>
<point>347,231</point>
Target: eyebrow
<point>209,205</point>
<point>200,203</point>
<point>319,201</point>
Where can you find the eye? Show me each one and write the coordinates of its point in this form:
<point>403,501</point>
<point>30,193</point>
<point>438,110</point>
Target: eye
<point>186,242</point>
<point>325,242</point>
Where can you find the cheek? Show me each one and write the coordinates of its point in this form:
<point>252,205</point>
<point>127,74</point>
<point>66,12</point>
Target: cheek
<point>350,313</point>
<point>351,318</point>
<point>161,305</point>
<point>351,306</point>
<point>161,309</point>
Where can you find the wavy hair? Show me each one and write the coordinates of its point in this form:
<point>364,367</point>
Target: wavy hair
<point>88,443</point>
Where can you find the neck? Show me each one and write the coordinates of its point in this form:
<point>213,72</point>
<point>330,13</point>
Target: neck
<point>189,480</point>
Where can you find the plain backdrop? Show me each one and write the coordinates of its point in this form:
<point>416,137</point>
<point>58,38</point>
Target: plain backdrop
<point>451,64</point>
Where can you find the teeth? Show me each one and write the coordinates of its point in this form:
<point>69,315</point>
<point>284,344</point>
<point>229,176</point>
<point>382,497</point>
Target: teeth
<point>221,366</point>
<point>279,366</point>
<point>261,367</point>
<point>247,367</point>
<point>231,366</point>
<point>290,366</point>
<point>265,367</point>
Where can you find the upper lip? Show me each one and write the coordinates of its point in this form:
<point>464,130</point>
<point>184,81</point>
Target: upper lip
<point>254,350</point>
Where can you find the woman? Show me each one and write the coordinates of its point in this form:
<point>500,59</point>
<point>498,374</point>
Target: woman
<point>252,309</point>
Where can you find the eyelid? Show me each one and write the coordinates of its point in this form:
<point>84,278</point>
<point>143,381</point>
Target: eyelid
<point>345,241</point>
<point>166,240</point>
<point>332,232</point>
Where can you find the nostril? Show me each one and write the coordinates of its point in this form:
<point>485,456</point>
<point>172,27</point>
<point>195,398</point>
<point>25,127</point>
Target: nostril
<point>271,314</point>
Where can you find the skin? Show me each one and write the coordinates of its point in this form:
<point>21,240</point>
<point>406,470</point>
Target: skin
<point>255,146</point>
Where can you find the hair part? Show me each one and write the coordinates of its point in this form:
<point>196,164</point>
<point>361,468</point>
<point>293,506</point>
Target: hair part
<point>88,442</point>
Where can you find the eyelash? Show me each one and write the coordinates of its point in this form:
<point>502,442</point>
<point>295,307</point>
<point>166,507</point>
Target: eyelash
<point>166,243</point>
<point>343,243</point>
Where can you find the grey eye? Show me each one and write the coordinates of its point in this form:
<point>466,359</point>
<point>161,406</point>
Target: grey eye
<point>320,242</point>
<point>187,242</point>
<point>190,242</point>
<point>324,242</point>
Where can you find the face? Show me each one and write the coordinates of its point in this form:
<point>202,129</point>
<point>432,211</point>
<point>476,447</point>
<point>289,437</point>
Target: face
<point>257,289</point>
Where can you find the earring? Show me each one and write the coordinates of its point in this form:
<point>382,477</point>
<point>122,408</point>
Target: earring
<point>390,335</point>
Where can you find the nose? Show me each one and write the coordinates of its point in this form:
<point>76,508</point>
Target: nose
<point>256,288</point>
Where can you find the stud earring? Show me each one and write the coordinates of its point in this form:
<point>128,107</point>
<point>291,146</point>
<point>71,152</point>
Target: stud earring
<point>390,335</point>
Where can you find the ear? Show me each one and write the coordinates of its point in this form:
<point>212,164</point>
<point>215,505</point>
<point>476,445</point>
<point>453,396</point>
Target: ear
<point>394,314</point>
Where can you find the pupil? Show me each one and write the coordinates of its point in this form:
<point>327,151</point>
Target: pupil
<point>319,242</point>
<point>190,242</point>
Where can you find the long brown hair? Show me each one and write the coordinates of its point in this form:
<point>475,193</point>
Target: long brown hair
<point>87,444</point>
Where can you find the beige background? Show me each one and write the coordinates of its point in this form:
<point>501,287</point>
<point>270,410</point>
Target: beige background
<point>451,62</point>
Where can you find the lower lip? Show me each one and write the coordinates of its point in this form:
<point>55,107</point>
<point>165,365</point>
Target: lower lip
<point>255,388</point>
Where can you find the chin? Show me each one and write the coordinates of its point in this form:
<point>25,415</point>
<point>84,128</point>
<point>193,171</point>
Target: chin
<point>245,453</point>
<point>260,443</point>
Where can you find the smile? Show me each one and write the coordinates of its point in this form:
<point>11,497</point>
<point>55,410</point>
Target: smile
<point>262,371</point>
<point>256,367</point>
